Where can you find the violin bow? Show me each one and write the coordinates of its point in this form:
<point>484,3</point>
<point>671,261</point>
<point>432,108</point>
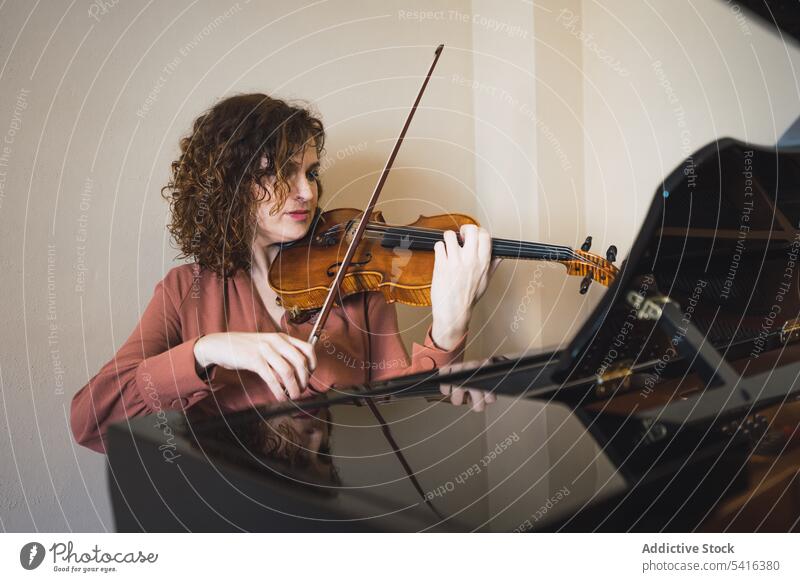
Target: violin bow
<point>362,224</point>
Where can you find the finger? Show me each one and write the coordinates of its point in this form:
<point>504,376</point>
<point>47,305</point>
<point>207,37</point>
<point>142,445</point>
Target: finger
<point>273,352</point>
<point>469,237</point>
<point>307,349</point>
<point>282,344</point>
<point>286,375</point>
<point>296,359</point>
<point>484,257</point>
<point>493,267</point>
<point>451,244</point>
<point>477,400</point>
<point>439,256</point>
<point>484,244</point>
<point>489,397</point>
<point>272,382</point>
<point>445,388</point>
<point>457,396</point>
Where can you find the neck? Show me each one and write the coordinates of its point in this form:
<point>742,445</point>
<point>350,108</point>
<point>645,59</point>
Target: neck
<point>263,255</point>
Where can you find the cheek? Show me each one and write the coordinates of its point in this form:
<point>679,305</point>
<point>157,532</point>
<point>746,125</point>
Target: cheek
<point>265,219</point>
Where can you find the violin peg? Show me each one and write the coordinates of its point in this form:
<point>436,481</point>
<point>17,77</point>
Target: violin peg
<point>587,244</point>
<point>585,282</point>
<point>611,254</point>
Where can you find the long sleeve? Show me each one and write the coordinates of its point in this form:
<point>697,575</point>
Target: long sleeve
<point>154,370</point>
<point>388,355</point>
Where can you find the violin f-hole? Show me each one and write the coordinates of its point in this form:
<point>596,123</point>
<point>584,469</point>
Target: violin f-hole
<point>331,272</point>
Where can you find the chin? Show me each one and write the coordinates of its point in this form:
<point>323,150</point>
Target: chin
<point>296,232</point>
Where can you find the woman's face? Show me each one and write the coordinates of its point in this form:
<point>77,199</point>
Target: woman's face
<point>292,221</point>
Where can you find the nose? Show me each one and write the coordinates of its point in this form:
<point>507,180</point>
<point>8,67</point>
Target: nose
<point>304,188</point>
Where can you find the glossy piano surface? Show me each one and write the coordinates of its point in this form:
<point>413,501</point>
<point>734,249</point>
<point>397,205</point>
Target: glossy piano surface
<point>517,465</point>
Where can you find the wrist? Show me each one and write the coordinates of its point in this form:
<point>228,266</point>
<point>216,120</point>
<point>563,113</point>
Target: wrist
<point>447,337</point>
<point>200,357</point>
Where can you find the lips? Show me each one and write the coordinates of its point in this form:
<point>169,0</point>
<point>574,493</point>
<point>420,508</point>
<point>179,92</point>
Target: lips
<point>298,214</point>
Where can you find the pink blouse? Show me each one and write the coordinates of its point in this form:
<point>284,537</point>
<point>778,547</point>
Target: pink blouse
<point>155,368</point>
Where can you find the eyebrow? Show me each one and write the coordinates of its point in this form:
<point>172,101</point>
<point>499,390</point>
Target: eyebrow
<point>290,166</point>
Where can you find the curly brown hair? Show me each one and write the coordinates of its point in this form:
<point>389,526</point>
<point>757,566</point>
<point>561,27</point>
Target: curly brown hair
<point>210,189</point>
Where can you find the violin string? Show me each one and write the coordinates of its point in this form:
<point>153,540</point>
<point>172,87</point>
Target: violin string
<point>499,245</point>
<point>422,231</point>
<point>509,250</point>
<point>432,235</point>
<point>496,246</point>
<point>435,235</point>
<point>437,232</point>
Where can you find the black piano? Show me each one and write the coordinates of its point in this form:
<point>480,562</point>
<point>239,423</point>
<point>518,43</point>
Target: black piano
<point>675,408</point>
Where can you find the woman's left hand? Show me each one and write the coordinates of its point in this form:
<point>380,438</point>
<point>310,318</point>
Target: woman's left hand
<point>458,395</point>
<point>477,399</point>
<point>461,273</point>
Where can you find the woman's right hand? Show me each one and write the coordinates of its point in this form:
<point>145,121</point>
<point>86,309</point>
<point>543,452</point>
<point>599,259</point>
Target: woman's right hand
<point>285,363</point>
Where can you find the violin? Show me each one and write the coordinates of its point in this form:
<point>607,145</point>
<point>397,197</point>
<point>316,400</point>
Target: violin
<point>397,260</point>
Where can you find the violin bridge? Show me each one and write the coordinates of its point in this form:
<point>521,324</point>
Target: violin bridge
<point>350,231</point>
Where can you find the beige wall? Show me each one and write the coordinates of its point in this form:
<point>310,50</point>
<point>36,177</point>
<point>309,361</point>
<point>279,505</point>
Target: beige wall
<point>697,71</point>
<point>523,127</point>
<point>108,99</point>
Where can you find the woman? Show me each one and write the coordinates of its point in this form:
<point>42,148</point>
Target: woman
<point>247,180</point>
